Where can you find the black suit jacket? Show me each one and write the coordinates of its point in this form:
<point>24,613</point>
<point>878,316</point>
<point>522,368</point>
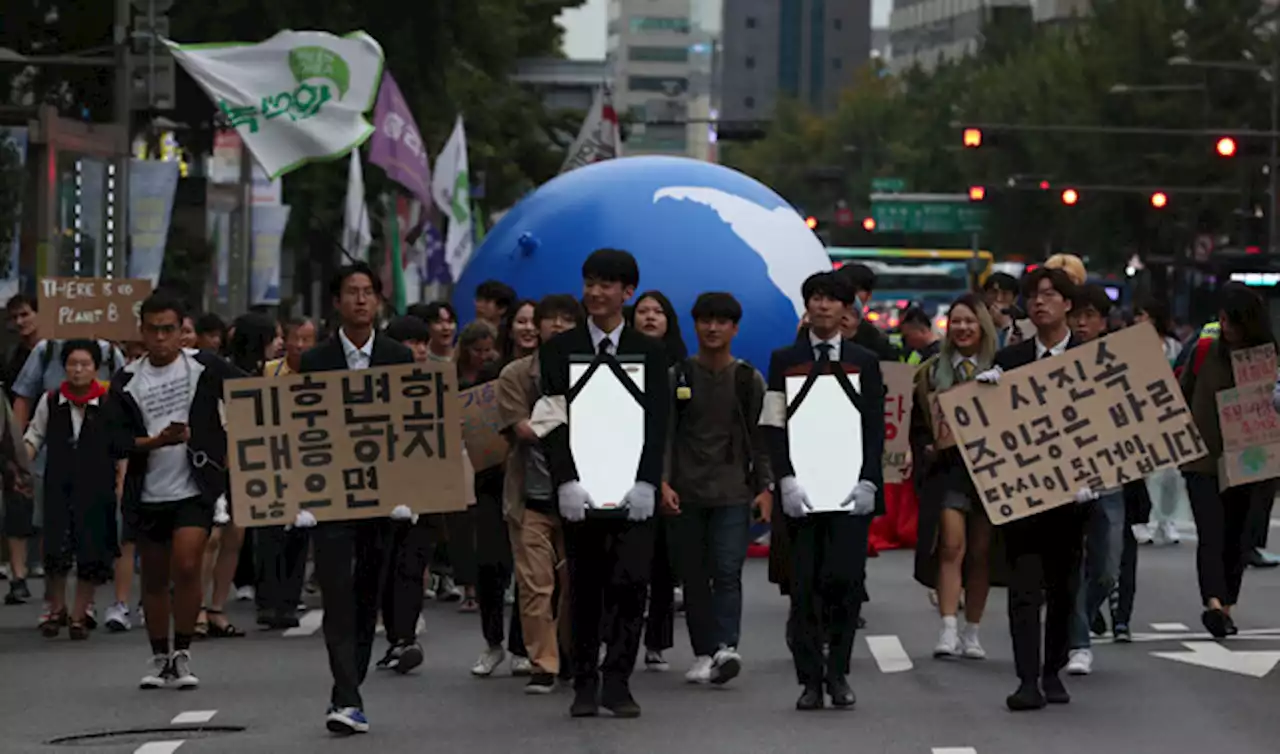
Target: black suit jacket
<point>554,361</point>
<point>329,356</point>
<point>1024,353</point>
<point>800,354</point>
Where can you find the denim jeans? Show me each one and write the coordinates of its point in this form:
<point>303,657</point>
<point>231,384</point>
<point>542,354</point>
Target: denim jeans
<point>712,547</point>
<point>1100,567</point>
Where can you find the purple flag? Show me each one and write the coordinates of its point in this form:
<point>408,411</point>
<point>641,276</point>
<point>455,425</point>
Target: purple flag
<point>397,146</point>
<point>436,270</point>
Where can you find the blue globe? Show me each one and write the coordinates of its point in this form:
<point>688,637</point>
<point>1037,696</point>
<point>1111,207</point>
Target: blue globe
<point>693,227</point>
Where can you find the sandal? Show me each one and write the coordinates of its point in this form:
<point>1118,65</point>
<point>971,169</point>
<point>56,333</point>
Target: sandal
<point>51,623</point>
<point>78,630</point>
<point>202,625</point>
<point>224,630</point>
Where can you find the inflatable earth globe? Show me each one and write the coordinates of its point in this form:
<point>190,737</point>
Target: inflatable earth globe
<point>693,227</point>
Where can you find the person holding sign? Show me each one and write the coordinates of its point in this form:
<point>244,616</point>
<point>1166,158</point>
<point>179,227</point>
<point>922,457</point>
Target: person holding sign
<point>827,529</point>
<point>609,529</point>
<point>1044,549</point>
<point>1221,514</point>
<point>165,417</point>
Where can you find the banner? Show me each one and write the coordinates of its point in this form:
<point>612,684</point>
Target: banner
<point>1100,415</point>
<point>93,308</point>
<point>451,187</point>
<point>218,223</point>
<point>295,98</point>
<point>224,169</point>
<point>345,445</point>
<point>599,139</point>
<point>269,224</point>
<point>899,397</point>
<point>152,185</point>
<point>12,283</point>
<point>397,146</point>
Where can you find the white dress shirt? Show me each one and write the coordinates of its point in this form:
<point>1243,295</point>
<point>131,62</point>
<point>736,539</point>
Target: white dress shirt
<point>598,335</point>
<point>1057,350</point>
<point>38,427</point>
<point>357,357</point>
<point>833,341</point>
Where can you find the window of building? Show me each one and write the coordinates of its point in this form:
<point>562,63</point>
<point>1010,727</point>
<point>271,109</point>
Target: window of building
<point>749,103</point>
<point>658,54</point>
<point>751,22</point>
<point>659,23</point>
<point>750,62</point>
<point>669,85</point>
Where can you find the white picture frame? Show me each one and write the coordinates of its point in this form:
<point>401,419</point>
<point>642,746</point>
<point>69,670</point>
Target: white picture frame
<point>606,431</point>
<point>825,437</point>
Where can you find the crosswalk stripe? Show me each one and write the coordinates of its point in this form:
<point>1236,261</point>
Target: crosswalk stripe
<point>954,750</point>
<point>1169,627</point>
<point>158,747</point>
<point>194,716</point>
<point>308,624</point>
<point>889,654</point>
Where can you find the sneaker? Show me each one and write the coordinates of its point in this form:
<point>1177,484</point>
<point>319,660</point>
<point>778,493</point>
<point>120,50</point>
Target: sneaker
<point>970,647</point>
<point>410,658</point>
<point>540,683</point>
<point>1081,662</point>
<point>390,660</point>
<point>4,573</point>
<point>448,591</point>
<point>1122,633</point>
<point>948,643</point>
<point>521,666</point>
<point>37,571</point>
<point>180,670</point>
<point>654,662</point>
<point>701,670</point>
<point>246,594</point>
<point>344,721</point>
<point>18,594</point>
<point>158,673</point>
<point>488,662</point>
<point>1168,533</point>
<point>1143,534</point>
<point>726,665</point>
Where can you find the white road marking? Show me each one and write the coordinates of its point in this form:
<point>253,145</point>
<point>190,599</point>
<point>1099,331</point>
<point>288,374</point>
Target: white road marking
<point>1210,654</point>
<point>889,654</point>
<point>954,750</point>
<point>158,747</point>
<point>194,716</point>
<point>1271,634</point>
<point>308,624</point>
<point>1182,627</point>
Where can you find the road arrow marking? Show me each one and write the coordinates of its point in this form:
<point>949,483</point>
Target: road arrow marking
<point>1209,654</point>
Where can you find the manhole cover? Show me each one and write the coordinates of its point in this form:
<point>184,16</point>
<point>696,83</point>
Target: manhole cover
<point>143,735</point>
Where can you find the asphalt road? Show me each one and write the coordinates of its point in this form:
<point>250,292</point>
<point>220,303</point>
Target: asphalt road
<point>276,688</point>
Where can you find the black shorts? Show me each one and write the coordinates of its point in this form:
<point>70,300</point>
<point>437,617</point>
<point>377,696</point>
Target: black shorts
<point>156,522</point>
<point>20,515</point>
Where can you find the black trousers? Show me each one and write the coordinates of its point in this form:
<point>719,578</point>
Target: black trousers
<point>282,567</point>
<point>1044,562</point>
<point>1258,526</point>
<point>609,563</point>
<point>494,569</point>
<point>1137,509</point>
<point>407,559</point>
<point>350,564</point>
<point>828,568</point>
<point>1220,524</point>
<point>659,628</point>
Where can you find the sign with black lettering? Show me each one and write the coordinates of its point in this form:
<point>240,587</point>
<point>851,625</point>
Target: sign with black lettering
<point>345,445</point>
<point>899,397</point>
<point>1253,366</point>
<point>105,308</point>
<point>482,426</point>
<point>1098,416</point>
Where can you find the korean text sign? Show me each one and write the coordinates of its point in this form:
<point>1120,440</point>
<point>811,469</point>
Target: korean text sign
<point>344,445</point>
<point>481,426</point>
<point>1100,415</point>
<point>1248,421</point>
<point>899,384</point>
<point>105,308</point>
<point>1254,365</point>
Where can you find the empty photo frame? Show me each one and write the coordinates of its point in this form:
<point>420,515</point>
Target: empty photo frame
<point>825,435</point>
<point>606,430</point>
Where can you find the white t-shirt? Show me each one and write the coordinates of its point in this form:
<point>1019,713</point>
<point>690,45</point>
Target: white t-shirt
<point>164,395</point>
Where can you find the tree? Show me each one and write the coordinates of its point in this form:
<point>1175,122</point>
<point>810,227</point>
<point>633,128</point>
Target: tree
<point>11,183</point>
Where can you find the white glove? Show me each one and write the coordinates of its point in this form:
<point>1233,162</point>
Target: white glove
<point>402,513</point>
<point>795,501</point>
<point>574,501</point>
<point>639,501</point>
<point>990,377</point>
<point>220,515</point>
<point>1086,495</point>
<point>863,497</point>
<point>304,520</point>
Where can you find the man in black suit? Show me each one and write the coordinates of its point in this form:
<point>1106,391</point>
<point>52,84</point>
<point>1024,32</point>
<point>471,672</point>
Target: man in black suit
<point>1043,550</point>
<point>829,549</point>
<point>609,551</point>
<point>349,555</point>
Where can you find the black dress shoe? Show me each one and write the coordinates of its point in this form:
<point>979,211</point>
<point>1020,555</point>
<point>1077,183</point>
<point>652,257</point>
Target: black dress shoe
<point>1026,698</point>
<point>840,693</point>
<point>1215,622</point>
<point>1054,691</point>
<point>585,702</point>
<point>616,697</point>
<point>811,699</point>
<point>287,619</point>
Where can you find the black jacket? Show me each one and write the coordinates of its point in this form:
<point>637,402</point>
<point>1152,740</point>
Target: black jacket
<point>798,356</point>
<point>329,356</point>
<point>554,360</point>
<point>205,420</point>
<point>1024,353</point>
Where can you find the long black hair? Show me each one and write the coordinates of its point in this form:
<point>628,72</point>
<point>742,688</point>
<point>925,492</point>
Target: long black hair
<point>1246,313</point>
<point>253,335</point>
<point>676,350</point>
<point>505,339</point>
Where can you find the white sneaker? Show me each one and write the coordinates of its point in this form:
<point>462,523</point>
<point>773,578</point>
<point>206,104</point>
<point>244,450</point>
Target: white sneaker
<point>489,661</point>
<point>1142,534</point>
<point>701,670</point>
<point>158,673</point>
<point>117,618</point>
<point>246,594</point>
<point>970,647</point>
<point>180,670</point>
<point>1081,662</point>
<point>726,665</point>
<point>1169,533</point>
<point>521,665</point>
<point>948,643</point>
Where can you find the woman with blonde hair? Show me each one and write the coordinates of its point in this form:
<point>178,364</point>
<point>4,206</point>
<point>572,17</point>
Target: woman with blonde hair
<point>1070,264</point>
<point>953,548</point>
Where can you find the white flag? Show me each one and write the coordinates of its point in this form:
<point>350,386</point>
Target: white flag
<point>356,234</point>
<point>599,138</point>
<point>298,97</point>
<point>451,188</point>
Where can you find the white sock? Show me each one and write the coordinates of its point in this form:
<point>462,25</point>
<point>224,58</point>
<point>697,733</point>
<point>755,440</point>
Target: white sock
<point>949,621</point>
<point>971,629</point>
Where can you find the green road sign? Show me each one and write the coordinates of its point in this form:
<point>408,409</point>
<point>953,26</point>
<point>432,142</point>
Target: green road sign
<point>888,185</point>
<point>933,215</point>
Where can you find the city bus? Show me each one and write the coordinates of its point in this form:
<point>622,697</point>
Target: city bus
<point>930,278</point>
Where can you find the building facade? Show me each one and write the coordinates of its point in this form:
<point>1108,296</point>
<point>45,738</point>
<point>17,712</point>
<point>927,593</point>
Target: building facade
<point>927,32</point>
<point>651,54</point>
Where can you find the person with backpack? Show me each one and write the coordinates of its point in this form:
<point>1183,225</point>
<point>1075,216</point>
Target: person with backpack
<point>717,471</point>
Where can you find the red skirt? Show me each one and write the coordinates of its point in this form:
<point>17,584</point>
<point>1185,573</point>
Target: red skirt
<point>896,529</point>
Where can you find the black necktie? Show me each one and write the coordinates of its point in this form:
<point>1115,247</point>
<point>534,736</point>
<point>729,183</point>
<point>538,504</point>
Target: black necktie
<point>1047,355</point>
<point>603,347</point>
<point>824,353</point>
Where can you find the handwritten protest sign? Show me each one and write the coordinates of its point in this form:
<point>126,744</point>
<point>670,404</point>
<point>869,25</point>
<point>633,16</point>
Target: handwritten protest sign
<point>943,437</point>
<point>481,426</point>
<point>899,386</point>
<point>105,308</point>
<point>1254,365</point>
<point>1248,421</point>
<point>1097,416</point>
<point>345,445</point>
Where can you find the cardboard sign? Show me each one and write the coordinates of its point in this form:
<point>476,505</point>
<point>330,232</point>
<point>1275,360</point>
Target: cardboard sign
<point>486,447</point>
<point>345,445</point>
<point>1097,416</point>
<point>1250,434</point>
<point>943,437</point>
<point>1255,365</point>
<point>899,386</point>
<point>105,308</point>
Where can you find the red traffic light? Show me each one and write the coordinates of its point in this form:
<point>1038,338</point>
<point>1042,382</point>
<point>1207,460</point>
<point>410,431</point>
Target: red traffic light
<point>977,193</point>
<point>1044,185</point>
<point>972,138</point>
<point>811,221</point>
<point>869,224</point>
<point>1226,146</point>
<point>1159,199</point>
<point>1070,197</point>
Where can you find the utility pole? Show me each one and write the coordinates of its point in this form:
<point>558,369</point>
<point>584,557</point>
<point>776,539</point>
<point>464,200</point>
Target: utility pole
<point>123,117</point>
